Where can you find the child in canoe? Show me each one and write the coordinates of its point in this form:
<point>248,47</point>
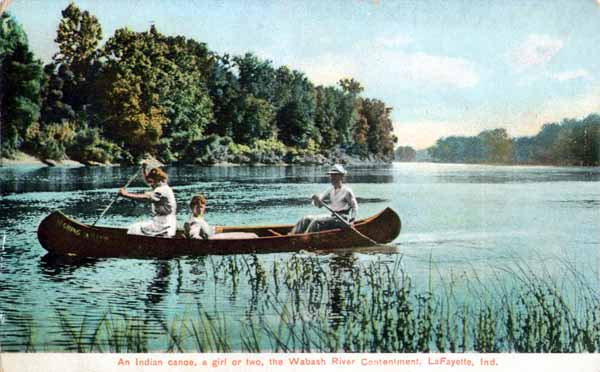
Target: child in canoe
<point>197,228</point>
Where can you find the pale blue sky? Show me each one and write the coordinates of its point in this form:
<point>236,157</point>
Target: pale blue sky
<point>446,67</point>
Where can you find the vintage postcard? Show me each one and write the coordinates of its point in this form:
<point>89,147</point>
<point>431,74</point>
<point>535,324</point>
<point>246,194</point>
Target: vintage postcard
<point>310,185</point>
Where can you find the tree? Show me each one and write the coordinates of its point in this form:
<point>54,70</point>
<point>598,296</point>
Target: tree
<point>167,96</point>
<point>20,76</point>
<point>497,145</point>
<point>256,76</point>
<point>78,36</point>
<point>326,112</point>
<point>257,122</point>
<point>405,153</point>
<point>227,98</point>
<point>379,138</point>
<point>54,109</point>
<point>295,124</point>
<point>351,86</point>
<point>133,120</point>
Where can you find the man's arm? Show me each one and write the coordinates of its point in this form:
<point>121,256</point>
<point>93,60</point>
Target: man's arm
<point>353,205</point>
<point>318,199</point>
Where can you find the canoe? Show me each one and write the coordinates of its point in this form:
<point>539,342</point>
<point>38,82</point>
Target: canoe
<point>61,235</point>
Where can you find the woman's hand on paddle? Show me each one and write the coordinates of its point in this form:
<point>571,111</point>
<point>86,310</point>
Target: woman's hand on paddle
<point>317,201</point>
<point>123,192</point>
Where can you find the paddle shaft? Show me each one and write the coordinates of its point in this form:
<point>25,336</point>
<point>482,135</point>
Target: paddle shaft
<point>348,223</point>
<point>116,197</point>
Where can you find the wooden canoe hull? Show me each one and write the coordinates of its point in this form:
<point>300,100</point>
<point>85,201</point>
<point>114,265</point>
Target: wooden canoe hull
<point>61,235</point>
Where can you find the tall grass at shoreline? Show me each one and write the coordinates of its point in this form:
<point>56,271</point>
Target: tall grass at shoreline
<point>305,305</point>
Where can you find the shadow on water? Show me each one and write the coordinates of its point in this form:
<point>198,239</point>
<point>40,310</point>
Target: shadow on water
<point>57,268</point>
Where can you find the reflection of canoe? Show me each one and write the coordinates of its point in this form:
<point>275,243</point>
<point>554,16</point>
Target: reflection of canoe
<point>61,235</point>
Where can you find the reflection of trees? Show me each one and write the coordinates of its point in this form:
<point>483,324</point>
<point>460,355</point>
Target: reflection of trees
<point>159,285</point>
<point>340,267</point>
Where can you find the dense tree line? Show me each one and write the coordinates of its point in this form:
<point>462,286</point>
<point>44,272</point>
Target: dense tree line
<point>571,142</point>
<point>171,97</point>
<point>405,153</point>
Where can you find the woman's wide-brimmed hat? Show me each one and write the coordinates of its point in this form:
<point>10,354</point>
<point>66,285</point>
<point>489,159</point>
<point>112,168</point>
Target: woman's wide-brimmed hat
<point>337,169</point>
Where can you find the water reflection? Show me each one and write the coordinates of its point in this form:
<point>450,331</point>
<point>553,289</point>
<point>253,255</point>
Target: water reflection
<point>474,226</point>
<point>158,287</point>
<point>58,268</point>
<point>340,267</point>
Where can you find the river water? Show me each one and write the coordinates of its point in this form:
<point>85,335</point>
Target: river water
<point>460,222</point>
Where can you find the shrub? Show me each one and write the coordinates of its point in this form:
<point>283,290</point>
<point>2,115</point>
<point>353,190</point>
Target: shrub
<point>89,146</point>
<point>51,141</point>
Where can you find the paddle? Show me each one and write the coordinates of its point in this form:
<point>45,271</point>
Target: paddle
<point>135,175</point>
<point>348,224</point>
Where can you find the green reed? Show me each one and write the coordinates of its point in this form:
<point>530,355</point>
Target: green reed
<point>304,305</point>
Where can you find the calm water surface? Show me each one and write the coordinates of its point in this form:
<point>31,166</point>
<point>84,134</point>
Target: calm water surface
<point>460,222</point>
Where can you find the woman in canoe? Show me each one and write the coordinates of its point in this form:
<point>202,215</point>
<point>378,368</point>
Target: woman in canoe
<point>162,199</point>
<point>341,199</point>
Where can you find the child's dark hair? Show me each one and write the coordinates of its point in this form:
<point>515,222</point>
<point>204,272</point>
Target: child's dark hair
<point>197,200</point>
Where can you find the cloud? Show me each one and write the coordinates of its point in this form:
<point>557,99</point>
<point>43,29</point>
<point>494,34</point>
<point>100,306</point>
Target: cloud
<point>536,50</point>
<point>437,70</point>
<point>328,69</point>
<point>381,67</point>
<point>393,41</point>
<point>572,75</point>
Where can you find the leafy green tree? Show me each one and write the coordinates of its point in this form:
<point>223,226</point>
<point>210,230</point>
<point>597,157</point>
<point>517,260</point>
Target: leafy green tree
<point>351,86</point>
<point>78,36</point>
<point>20,76</point>
<point>133,119</point>
<point>405,153</point>
<point>227,98</point>
<point>257,122</point>
<point>379,137</point>
<point>256,76</point>
<point>350,125</point>
<point>162,84</point>
<point>296,118</point>
<point>326,112</point>
<point>497,145</point>
<point>54,109</point>
<point>295,124</point>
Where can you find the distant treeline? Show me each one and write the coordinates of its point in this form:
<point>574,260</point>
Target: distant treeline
<point>571,142</point>
<point>405,153</point>
<point>171,97</point>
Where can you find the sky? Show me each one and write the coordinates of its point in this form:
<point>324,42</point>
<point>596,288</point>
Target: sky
<point>445,67</point>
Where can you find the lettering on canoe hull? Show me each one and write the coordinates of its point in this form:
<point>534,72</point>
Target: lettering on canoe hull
<point>81,233</point>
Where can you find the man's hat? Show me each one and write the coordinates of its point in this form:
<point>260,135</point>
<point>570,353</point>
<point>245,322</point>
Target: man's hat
<point>337,169</point>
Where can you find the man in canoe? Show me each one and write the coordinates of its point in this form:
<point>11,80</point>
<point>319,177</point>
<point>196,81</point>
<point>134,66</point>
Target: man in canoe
<point>162,199</point>
<point>341,200</point>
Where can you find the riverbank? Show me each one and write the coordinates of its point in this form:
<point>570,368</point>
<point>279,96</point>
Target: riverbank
<point>24,159</point>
